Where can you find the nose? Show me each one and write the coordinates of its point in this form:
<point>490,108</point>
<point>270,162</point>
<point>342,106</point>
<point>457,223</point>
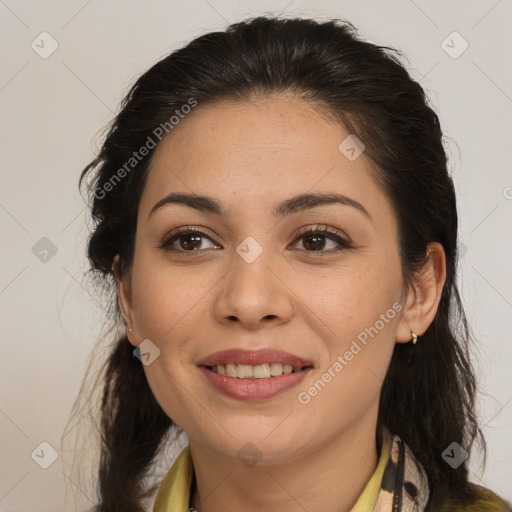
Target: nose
<point>254,294</point>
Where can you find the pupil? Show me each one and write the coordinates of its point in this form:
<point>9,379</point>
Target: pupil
<point>318,238</point>
<point>186,245</point>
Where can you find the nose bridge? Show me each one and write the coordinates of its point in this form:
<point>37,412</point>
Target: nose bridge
<point>253,290</point>
<point>250,250</point>
<point>252,268</point>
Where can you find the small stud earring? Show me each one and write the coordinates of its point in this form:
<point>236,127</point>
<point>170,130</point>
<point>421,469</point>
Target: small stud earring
<point>414,338</point>
<point>130,329</point>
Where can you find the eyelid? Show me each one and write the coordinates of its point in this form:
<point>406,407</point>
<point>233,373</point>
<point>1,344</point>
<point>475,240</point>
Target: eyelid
<point>189,228</point>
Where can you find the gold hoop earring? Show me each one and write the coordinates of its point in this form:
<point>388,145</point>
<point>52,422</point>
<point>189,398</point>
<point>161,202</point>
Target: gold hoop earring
<point>414,338</point>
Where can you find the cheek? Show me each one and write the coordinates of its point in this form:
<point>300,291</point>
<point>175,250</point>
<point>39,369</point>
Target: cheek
<point>169,306</point>
<point>354,361</point>
<point>358,311</point>
<point>349,298</point>
<point>167,298</point>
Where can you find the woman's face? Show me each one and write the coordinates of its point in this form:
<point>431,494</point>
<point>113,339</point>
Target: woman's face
<point>254,280</point>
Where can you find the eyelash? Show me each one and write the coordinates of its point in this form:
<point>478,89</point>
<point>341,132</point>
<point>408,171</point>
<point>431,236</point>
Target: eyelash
<point>167,241</point>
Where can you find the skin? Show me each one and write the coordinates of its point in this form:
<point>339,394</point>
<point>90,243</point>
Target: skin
<point>249,156</point>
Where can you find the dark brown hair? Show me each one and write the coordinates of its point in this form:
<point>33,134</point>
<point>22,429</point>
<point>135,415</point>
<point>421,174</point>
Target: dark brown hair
<point>428,396</point>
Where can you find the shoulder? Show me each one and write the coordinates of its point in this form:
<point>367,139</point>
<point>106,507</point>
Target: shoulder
<point>484,500</point>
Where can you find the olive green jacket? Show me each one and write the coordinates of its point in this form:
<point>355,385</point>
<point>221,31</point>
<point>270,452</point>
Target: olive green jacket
<point>487,501</point>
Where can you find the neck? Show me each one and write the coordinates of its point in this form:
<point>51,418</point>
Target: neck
<point>330,479</point>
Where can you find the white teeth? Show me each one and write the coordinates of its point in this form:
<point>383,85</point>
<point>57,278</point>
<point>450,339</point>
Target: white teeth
<point>276,369</point>
<point>244,371</point>
<point>261,371</point>
<point>231,370</point>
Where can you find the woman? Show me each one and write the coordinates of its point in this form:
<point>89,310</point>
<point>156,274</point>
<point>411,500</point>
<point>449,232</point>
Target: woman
<point>273,208</point>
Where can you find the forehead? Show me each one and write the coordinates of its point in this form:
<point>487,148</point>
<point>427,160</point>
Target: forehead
<point>258,150</point>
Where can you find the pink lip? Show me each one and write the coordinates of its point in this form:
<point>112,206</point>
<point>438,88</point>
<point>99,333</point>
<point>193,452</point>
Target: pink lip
<point>253,389</point>
<point>254,357</point>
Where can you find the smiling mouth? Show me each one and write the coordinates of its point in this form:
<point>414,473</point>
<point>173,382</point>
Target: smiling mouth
<point>260,371</point>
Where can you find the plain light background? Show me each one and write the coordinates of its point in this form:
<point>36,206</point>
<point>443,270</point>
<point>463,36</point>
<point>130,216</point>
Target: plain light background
<point>52,110</point>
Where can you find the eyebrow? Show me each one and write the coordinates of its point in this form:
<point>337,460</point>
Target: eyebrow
<point>287,207</point>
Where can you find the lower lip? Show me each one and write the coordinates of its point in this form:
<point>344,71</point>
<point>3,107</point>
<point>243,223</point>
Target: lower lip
<point>253,389</point>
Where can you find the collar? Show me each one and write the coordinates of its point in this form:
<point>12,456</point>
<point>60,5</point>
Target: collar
<point>398,484</point>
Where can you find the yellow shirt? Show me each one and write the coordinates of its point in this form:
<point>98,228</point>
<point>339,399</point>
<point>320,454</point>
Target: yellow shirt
<point>174,493</point>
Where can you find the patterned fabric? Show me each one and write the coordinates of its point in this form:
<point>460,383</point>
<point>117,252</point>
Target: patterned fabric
<point>402,482</point>
<point>404,486</point>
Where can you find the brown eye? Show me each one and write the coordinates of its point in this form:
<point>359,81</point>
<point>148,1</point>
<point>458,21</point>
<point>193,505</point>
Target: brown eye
<point>186,240</point>
<point>316,240</point>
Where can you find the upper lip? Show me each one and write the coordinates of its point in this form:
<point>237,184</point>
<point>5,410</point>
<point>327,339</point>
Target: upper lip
<point>254,358</point>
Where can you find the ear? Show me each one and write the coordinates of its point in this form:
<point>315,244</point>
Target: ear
<point>423,295</point>
<point>124,296</point>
